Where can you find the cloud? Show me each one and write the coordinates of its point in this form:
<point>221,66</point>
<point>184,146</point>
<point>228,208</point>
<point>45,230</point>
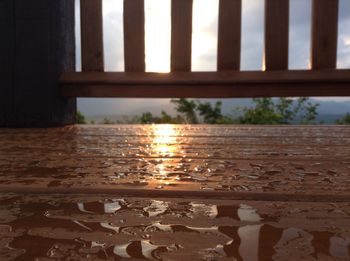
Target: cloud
<point>346,40</point>
<point>344,35</point>
<point>204,35</point>
<point>252,35</point>
<point>113,35</point>
<point>157,29</point>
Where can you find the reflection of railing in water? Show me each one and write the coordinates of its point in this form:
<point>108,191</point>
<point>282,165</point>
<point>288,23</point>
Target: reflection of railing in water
<point>257,241</point>
<point>84,225</point>
<point>247,242</point>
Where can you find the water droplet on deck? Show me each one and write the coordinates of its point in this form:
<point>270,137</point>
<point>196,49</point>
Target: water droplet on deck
<point>157,207</point>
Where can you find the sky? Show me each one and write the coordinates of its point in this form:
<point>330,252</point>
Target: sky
<point>204,40</point>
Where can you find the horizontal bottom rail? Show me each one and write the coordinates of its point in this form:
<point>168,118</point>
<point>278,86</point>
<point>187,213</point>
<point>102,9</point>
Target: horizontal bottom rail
<point>206,84</point>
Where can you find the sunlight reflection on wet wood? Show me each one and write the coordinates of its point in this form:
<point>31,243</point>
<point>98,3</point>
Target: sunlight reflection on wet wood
<point>307,160</point>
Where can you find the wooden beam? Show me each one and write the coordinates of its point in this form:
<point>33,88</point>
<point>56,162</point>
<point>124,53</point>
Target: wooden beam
<point>276,34</point>
<point>134,35</point>
<point>229,35</point>
<point>324,34</point>
<point>207,84</point>
<point>181,35</point>
<point>91,35</point>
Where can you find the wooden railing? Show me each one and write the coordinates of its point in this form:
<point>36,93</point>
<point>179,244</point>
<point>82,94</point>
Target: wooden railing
<point>276,80</point>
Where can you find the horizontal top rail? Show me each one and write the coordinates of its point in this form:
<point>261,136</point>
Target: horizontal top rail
<point>199,78</point>
<point>207,84</point>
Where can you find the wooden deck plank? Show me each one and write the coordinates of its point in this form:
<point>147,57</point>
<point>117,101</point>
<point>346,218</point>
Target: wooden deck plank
<point>91,35</point>
<point>207,84</point>
<point>196,160</point>
<point>324,34</point>
<point>134,36</point>
<point>276,35</point>
<point>229,35</point>
<point>181,35</point>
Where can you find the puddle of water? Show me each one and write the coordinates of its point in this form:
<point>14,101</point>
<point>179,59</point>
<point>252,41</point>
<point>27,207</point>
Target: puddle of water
<point>241,212</point>
<point>102,207</point>
<point>249,247</point>
<point>157,207</point>
<point>143,249</point>
<point>65,230</point>
<point>28,247</point>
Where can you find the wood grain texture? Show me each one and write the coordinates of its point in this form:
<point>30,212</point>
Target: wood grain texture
<point>181,35</point>
<point>134,35</point>
<point>229,35</point>
<point>91,35</point>
<point>276,34</point>
<point>208,84</point>
<point>324,34</point>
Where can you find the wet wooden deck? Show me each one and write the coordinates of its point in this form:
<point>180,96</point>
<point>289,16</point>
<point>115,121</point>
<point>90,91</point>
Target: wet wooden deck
<point>171,192</point>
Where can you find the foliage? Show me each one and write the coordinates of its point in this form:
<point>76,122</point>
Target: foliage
<point>79,118</point>
<point>187,109</point>
<point>128,120</point>
<point>107,121</point>
<point>306,110</point>
<point>280,111</point>
<point>211,114</point>
<point>344,120</point>
<point>265,111</point>
<point>147,118</point>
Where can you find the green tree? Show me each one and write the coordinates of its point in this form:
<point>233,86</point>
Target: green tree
<point>166,118</point>
<point>80,118</point>
<point>187,109</point>
<point>146,118</point>
<point>306,110</point>
<point>284,108</point>
<point>212,114</point>
<point>263,113</point>
<point>280,111</point>
<point>345,120</point>
<point>107,121</point>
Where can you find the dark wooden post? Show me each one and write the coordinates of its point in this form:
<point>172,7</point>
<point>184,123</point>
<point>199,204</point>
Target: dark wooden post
<point>37,44</point>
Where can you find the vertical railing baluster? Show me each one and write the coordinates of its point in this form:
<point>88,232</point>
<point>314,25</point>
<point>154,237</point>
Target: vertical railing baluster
<point>91,35</point>
<point>181,35</point>
<point>229,35</point>
<point>276,35</point>
<point>134,35</point>
<point>324,34</point>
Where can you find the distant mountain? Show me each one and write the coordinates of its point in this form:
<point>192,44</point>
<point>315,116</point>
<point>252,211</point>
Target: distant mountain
<point>116,109</point>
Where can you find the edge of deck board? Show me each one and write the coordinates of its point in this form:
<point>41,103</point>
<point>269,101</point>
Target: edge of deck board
<point>232,195</point>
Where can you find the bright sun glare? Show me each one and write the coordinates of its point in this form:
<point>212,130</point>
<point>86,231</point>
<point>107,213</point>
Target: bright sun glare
<point>164,144</point>
<point>164,141</point>
<point>158,34</point>
<point>157,42</point>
